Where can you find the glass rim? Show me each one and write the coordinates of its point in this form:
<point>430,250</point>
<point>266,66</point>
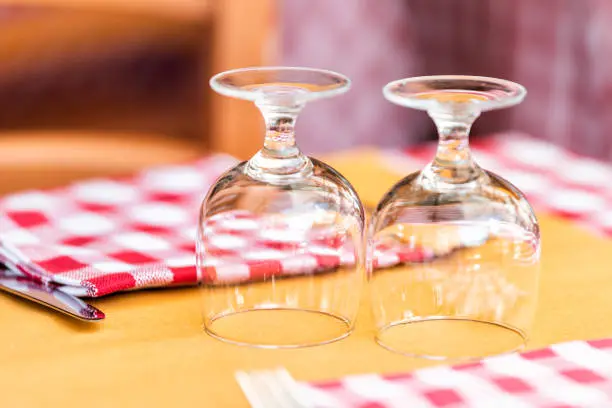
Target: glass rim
<point>337,82</point>
<point>514,93</point>
<point>347,328</point>
<point>520,335</point>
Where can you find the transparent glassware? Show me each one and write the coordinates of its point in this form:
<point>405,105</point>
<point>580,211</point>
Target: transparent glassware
<point>280,242</point>
<point>470,240</point>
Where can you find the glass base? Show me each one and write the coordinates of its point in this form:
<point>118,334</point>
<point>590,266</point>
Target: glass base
<point>450,338</point>
<point>279,328</point>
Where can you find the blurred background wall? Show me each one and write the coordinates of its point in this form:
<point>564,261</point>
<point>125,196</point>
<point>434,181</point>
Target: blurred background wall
<point>561,50</point>
<point>82,70</point>
<point>105,67</point>
<point>104,87</point>
<point>370,42</point>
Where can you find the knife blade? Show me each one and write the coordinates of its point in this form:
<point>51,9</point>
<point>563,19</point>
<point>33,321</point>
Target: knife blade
<point>48,295</point>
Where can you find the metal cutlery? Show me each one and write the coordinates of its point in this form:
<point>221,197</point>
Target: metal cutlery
<point>47,295</point>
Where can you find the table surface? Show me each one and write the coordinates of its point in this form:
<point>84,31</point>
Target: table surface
<point>151,351</point>
<point>48,159</point>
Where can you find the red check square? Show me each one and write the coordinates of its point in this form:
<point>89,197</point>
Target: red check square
<point>28,219</point>
<point>111,283</point>
<point>61,264</point>
<point>539,354</point>
<point>512,385</point>
<point>184,275</point>
<point>443,397</point>
<point>583,376</point>
<point>79,241</point>
<point>133,257</point>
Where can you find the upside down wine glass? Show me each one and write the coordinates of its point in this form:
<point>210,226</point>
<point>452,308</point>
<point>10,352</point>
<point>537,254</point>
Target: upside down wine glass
<point>472,290</point>
<point>280,241</point>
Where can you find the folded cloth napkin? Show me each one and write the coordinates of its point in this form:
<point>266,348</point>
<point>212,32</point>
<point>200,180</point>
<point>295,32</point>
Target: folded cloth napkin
<point>107,235</point>
<point>572,374</point>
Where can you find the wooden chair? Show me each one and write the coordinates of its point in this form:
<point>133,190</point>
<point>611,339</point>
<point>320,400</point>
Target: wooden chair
<point>244,35</point>
<point>32,160</point>
<point>69,134</point>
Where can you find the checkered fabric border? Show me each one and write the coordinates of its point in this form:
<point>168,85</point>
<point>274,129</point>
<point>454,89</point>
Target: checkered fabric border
<point>574,374</point>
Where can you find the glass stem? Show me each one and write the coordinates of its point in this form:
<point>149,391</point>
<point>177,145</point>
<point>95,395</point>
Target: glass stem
<point>453,163</point>
<point>280,156</point>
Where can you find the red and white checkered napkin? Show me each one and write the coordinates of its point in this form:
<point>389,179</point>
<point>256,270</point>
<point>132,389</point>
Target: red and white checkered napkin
<point>103,236</point>
<point>575,374</point>
<point>553,179</point>
<point>106,235</point>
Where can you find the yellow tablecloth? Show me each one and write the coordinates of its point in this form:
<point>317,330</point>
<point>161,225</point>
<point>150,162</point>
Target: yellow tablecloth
<point>151,351</point>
